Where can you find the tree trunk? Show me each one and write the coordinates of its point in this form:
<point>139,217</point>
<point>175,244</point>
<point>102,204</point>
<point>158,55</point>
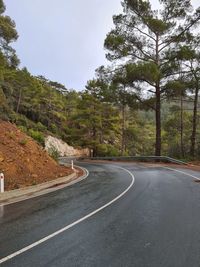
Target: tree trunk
<point>194,122</point>
<point>181,127</point>
<point>158,122</point>
<point>94,134</point>
<point>158,105</point>
<point>123,131</point>
<point>19,100</point>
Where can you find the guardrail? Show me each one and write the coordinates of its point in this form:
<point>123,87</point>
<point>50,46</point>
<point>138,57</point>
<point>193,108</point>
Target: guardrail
<point>130,158</point>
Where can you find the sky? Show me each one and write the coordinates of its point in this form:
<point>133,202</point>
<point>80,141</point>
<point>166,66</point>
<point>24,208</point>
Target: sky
<point>63,39</point>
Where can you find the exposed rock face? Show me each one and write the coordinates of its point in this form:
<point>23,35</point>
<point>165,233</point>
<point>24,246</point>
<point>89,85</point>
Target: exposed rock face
<point>63,148</point>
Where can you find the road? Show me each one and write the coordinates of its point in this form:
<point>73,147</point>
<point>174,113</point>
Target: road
<point>122,214</point>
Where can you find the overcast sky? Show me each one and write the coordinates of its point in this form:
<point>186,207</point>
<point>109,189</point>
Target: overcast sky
<point>63,39</point>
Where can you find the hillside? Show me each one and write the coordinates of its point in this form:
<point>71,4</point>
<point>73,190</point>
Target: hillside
<point>121,111</point>
<point>23,161</point>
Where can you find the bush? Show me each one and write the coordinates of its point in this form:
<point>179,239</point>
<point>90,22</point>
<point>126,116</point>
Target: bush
<point>23,129</point>
<point>40,127</point>
<point>54,153</point>
<point>20,120</point>
<point>53,128</point>
<point>37,136</point>
<point>112,151</point>
<point>104,150</point>
<point>23,142</point>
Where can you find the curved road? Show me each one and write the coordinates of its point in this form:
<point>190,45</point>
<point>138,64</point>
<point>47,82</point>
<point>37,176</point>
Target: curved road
<point>123,214</point>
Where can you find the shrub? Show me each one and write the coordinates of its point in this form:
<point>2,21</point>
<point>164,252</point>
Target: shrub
<point>54,153</point>
<point>37,136</point>
<point>104,150</point>
<point>23,141</point>
<point>112,151</point>
<point>53,128</point>
<point>23,129</point>
<point>40,127</point>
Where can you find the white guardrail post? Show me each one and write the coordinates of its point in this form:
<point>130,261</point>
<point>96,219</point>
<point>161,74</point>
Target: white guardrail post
<point>1,182</point>
<point>72,164</point>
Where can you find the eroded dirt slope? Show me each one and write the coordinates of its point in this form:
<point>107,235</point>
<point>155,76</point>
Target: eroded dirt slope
<point>23,161</point>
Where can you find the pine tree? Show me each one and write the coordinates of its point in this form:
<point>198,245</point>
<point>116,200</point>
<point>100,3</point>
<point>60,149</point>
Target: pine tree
<point>8,34</point>
<point>145,39</point>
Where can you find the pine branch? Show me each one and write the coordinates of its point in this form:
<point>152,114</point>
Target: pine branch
<point>151,37</point>
<point>173,39</point>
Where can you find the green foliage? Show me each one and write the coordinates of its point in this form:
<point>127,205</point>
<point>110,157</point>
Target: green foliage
<point>149,43</point>
<point>94,123</point>
<point>115,114</point>
<point>107,150</point>
<point>2,7</point>
<point>23,141</point>
<point>53,152</point>
<point>142,71</point>
<point>38,136</point>
<point>8,34</point>
<point>172,131</point>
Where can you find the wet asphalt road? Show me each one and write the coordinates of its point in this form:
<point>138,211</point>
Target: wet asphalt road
<point>156,223</point>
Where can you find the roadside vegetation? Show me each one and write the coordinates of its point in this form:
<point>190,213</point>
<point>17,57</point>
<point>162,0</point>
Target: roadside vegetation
<point>145,102</point>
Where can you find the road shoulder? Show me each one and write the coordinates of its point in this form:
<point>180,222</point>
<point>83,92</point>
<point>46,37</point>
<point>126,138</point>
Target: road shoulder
<point>21,194</point>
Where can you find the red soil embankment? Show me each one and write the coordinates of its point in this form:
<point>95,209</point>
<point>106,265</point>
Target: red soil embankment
<point>23,161</point>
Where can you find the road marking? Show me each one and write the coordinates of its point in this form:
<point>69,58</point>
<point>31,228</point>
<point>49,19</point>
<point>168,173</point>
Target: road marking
<point>182,173</point>
<point>72,224</point>
<point>47,190</point>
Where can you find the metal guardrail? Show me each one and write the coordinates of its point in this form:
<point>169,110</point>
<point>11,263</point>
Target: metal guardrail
<point>128,158</point>
<point>138,158</point>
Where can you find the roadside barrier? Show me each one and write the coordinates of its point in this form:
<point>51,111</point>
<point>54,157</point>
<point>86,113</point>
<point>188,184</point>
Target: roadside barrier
<point>72,164</point>
<point>1,183</point>
<point>164,159</point>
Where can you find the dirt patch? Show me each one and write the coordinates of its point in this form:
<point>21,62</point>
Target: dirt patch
<point>23,161</point>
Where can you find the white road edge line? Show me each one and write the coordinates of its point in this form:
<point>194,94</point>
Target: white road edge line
<point>44,192</point>
<point>72,224</point>
<point>182,173</point>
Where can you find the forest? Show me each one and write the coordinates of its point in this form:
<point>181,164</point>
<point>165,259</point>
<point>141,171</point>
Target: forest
<point>144,102</point>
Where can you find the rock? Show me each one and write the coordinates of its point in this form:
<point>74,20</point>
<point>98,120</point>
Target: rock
<point>63,148</point>
<point>10,160</point>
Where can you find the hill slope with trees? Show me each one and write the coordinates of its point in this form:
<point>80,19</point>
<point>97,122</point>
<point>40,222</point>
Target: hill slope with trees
<point>144,103</point>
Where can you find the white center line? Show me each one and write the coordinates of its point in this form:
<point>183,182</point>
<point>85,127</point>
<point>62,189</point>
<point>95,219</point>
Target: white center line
<point>72,224</point>
<point>182,172</point>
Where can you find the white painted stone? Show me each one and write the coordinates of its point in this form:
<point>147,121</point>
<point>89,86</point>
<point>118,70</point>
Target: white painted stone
<point>1,182</point>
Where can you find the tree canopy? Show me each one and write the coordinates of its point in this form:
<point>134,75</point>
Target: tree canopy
<point>146,39</point>
<point>148,97</point>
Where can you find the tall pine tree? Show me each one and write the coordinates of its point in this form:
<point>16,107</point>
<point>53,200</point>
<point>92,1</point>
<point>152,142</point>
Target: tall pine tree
<point>145,39</point>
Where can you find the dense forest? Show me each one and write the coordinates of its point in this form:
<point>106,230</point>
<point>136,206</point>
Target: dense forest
<point>145,102</point>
